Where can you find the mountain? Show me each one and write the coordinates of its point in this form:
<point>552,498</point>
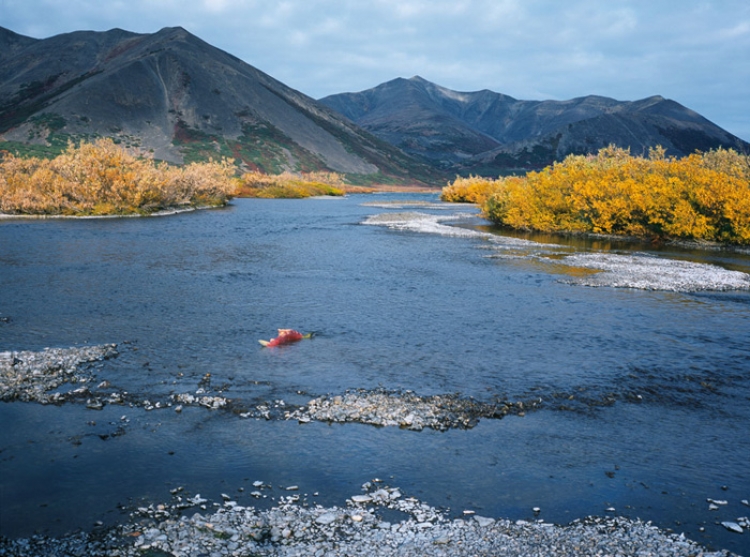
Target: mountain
<point>182,99</point>
<point>487,133</point>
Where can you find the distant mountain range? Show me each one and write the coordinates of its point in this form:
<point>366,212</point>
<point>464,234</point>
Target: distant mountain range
<point>174,95</point>
<point>486,132</point>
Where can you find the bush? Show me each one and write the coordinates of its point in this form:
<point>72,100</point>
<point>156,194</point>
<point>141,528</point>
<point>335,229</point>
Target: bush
<point>473,189</point>
<point>701,196</point>
<point>103,179</point>
<point>288,185</point>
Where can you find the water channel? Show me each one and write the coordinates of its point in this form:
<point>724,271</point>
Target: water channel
<point>637,355</point>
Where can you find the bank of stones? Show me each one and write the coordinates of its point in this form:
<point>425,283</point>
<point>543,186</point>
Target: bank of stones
<point>292,528</point>
<point>30,376</point>
<point>405,409</point>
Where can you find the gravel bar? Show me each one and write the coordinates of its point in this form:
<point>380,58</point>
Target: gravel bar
<point>292,528</point>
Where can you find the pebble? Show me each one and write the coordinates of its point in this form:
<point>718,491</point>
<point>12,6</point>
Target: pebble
<point>327,518</point>
<point>733,527</point>
<point>484,521</point>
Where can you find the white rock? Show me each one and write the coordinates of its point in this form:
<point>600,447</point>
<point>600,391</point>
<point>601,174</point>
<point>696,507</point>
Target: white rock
<point>361,498</point>
<point>483,521</point>
<point>326,518</point>
<point>732,527</point>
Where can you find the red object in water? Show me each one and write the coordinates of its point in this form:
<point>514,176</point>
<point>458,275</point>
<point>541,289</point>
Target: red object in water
<point>286,336</point>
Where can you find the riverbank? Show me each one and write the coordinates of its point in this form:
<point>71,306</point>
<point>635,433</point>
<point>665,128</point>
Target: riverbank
<point>379,521</point>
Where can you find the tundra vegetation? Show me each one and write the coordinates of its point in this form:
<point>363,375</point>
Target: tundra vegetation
<point>102,178</point>
<point>704,196</point>
<point>288,185</point>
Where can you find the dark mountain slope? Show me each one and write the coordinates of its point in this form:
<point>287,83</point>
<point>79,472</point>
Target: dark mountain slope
<point>487,133</point>
<point>181,98</point>
<point>11,43</point>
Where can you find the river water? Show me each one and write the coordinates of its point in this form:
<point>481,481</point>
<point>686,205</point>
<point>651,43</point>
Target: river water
<point>637,356</point>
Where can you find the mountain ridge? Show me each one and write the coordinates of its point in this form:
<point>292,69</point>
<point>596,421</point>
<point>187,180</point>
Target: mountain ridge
<point>486,132</point>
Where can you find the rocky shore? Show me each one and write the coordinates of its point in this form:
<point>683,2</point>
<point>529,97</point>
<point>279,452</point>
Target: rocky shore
<point>294,527</point>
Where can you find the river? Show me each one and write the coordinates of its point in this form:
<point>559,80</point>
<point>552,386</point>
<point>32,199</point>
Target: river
<point>637,357</point>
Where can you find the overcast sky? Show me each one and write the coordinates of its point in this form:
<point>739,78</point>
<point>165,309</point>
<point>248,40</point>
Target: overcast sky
<point>696,52</point>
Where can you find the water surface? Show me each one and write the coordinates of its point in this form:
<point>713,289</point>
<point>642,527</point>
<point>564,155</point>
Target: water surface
<point>644,392</point>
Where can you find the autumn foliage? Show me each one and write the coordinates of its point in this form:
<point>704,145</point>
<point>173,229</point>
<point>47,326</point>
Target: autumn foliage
<point>103,179</point>
<point>698,197</point>
<point>473,189</point>
<point>288,185</point>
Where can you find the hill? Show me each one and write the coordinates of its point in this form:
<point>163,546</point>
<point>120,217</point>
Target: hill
<point>181,99</point>
<point>488,133</point>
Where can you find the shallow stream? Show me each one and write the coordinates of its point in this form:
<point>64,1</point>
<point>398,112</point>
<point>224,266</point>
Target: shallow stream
<point>637,356</point>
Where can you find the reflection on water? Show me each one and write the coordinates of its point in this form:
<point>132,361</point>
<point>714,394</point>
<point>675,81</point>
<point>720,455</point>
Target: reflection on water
<point>650,385</point>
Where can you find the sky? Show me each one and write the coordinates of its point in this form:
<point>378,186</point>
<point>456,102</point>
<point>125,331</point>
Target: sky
<point>696,52</point>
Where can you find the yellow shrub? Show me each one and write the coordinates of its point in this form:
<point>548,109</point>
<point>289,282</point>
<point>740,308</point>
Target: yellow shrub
<point>473,189</point>
<point>288,185</point>
<point>101,178</point>
<point>702,196</point>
